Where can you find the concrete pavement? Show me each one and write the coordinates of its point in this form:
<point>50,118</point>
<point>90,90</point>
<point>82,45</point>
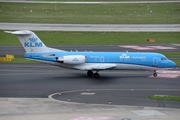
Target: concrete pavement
<point>49,109</point>
<point>93,27</point>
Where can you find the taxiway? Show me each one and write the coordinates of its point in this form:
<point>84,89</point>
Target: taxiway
<point>119,87</point>
<point>93,27</point>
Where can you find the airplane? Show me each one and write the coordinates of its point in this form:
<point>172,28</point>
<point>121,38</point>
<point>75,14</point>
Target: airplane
<point>92,62</point>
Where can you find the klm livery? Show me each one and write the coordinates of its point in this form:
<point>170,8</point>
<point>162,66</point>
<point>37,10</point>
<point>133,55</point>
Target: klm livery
<point>92,62</point>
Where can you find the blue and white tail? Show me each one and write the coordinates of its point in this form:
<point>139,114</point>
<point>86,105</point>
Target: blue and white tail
<point>30,41</point>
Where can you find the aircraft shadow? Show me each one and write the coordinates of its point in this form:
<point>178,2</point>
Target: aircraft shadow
<point>102,78</point>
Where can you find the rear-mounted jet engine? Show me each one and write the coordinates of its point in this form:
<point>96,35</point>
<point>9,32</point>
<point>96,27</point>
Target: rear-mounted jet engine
<point>71,59</point>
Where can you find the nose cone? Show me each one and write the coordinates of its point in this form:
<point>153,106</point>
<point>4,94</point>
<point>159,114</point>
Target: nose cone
<point>172,64</point>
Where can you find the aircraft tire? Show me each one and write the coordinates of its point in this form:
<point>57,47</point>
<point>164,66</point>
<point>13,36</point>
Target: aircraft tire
<point>89,73</point>
<point>155,74</point>
<point>96,75</point>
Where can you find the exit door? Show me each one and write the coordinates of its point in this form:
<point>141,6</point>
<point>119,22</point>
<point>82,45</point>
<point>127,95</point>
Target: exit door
<point>155,61</point>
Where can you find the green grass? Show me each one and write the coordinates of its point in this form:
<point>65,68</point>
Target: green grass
<point>94,38</point>
<point>171,54</point>
<point>166,13</point>
<point>177,62</point>
<point>169,98</point>
<point>20,61</point>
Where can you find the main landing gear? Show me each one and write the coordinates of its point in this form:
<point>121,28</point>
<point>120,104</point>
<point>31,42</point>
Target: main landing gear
<point>155,74</point>
<point>90,74</point>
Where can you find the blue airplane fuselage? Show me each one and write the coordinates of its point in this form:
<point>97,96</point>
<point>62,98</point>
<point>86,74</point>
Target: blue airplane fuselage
<point>132,58</point>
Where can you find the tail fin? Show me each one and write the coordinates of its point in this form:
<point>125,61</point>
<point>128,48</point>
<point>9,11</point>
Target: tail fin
<point>30,41</point>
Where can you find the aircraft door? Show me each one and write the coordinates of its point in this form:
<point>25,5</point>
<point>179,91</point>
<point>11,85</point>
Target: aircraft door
<point>102,59</point>
<point>155,61</point>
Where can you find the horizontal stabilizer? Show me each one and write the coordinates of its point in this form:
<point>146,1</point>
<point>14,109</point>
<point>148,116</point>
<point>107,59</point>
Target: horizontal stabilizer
<point>24,32</point>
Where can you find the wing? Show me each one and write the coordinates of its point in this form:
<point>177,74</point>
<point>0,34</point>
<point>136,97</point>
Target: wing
<point>103,66</point>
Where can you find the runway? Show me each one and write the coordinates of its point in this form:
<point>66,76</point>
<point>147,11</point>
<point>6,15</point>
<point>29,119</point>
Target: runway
<point>40,91</point>
<point>93,27</point>
<point>119,87</point>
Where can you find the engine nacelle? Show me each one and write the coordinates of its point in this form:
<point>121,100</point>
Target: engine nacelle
<point>72,59</point>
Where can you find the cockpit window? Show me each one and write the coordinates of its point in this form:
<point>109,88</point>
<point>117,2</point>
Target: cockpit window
<point>163,58</point>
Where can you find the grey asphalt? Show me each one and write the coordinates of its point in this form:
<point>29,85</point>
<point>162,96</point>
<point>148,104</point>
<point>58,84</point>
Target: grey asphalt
<point>119,87</point>
<point>93,27</point>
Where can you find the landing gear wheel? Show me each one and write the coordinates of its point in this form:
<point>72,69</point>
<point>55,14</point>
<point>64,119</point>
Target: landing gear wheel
<point>96,75</point>
<point>89,73</point>
<point>155,74</point>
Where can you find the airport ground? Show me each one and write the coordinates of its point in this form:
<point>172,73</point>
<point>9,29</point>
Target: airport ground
<point>38,91</point>
<point>31,92</point>
<point>119,87</point>
<point>47,92</point>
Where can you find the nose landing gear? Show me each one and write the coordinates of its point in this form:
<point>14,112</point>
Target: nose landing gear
<point>155,74</point>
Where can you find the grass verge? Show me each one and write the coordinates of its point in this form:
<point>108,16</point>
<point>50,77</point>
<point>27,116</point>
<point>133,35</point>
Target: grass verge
<point>177,62</point>
<point>20,61</point>
<point>158,13</point>
<point>171,54</point>
<point>169,98</point>
<point>95,38</point>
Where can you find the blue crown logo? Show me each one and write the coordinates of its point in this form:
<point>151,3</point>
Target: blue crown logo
<point>75,60</point>
<point>33,39</point>
<point>124,56</point>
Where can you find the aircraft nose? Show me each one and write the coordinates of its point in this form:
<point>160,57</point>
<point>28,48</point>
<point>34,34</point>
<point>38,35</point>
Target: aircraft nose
<point>172,64</point>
